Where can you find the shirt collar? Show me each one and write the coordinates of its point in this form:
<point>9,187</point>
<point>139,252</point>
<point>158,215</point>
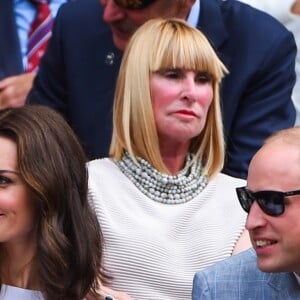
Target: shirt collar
<point>194,14</point>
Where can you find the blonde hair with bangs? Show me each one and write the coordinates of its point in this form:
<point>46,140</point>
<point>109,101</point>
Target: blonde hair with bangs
<point>162,44</point>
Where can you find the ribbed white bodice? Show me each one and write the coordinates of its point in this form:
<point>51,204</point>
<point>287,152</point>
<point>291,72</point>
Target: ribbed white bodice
<point>152,250</point>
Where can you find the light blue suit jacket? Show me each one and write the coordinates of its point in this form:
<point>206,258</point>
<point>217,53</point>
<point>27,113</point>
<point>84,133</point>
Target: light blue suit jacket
<point>238,278</point>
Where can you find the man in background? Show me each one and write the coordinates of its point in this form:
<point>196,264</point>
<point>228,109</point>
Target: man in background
<point>79,70</point>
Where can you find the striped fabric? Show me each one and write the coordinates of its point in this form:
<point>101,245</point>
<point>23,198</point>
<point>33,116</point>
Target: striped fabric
<point>39,34</point>
<point>152,250</point>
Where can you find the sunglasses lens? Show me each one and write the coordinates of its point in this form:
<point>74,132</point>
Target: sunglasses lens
<point>134,4</point>
<point>272,203</point>
<point>245,198</point>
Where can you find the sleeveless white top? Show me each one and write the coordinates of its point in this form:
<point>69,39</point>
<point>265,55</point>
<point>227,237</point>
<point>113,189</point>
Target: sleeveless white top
<point>9,292</point>
<point>151,249</point>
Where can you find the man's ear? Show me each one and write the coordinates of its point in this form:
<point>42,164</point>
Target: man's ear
<point>295,9</point>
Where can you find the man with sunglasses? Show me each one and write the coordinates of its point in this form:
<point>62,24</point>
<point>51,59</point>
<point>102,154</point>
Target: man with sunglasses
<point>78,72</point>
<point>272,200</point>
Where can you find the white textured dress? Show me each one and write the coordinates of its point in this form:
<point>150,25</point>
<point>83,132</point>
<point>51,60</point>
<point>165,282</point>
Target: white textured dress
<point>151,249</point>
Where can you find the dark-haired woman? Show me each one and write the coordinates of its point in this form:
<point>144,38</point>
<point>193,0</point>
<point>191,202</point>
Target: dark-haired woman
<point>50,240</point>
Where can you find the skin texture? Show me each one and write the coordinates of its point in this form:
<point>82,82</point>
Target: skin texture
<point>276,167</point>
<point>181,99</point>
<point>123,22</point>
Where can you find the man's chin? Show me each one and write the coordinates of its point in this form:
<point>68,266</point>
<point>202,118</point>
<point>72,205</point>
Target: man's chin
<point>269,267</point>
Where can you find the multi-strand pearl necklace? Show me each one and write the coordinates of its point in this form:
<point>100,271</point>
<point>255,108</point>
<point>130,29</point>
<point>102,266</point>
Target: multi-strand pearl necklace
<point>161,187</point>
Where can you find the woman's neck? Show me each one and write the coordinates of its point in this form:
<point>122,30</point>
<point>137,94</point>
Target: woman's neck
<point>174,164</point>
<point>22,278</point>
<point>174,156</point>
<point>19,267</point>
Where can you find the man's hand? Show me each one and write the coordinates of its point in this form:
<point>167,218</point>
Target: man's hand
<point>14,90</point>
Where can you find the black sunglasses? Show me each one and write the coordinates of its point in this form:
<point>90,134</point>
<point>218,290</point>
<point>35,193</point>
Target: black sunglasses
<point>271,202</point>
<point>134,4</point>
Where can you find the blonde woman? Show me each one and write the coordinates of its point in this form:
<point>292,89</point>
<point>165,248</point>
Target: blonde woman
<point>164,208</point>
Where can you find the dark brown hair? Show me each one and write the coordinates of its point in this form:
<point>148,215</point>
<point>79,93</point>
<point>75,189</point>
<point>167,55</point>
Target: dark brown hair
<point>52,164</point>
